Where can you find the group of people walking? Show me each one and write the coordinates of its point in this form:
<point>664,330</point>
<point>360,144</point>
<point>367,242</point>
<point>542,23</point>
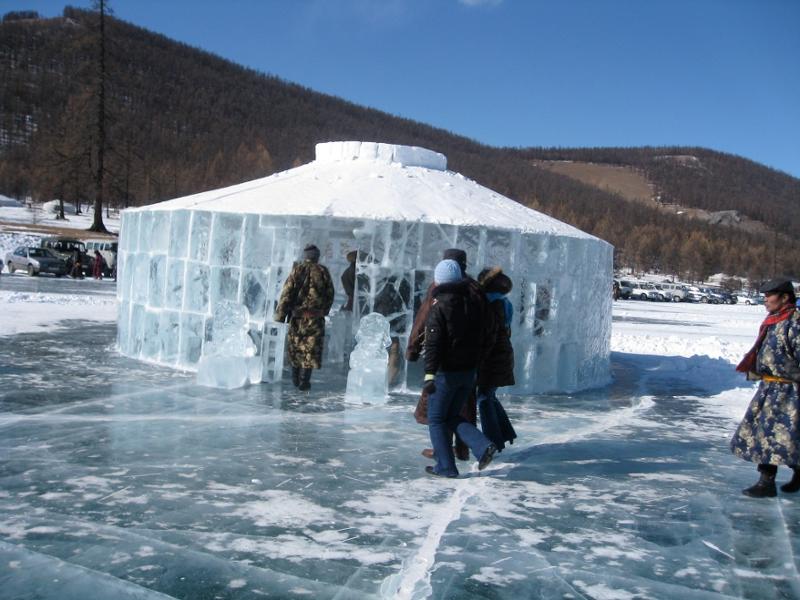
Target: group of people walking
<point>463,330</point>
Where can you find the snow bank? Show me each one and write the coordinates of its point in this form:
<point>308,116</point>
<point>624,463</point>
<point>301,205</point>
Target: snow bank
<point>27,312</point>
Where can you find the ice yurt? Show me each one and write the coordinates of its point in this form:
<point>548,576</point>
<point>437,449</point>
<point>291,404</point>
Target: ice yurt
<point>399,208</point>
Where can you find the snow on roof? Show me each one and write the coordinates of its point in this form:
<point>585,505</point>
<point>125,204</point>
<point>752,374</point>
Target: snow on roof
<point>368,180</point>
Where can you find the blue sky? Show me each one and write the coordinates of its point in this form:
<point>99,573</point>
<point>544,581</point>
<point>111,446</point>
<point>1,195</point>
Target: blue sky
<point>723,74</point>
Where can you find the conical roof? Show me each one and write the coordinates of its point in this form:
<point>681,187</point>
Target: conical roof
<point>369,180</point>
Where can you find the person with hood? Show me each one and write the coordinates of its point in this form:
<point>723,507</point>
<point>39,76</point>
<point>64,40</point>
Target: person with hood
<point>306,298</point>
<point>76,272</point>
<point>454,332</point>
<point>497,367</point>
<point>97,265</point>
<point>415,344</point>
<point>769,434</point>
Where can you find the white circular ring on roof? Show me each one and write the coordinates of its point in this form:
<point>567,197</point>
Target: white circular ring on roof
<point>407,156</point>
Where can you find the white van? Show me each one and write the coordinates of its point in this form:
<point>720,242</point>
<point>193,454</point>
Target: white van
<point>673,291</point>
<point>108,250</point>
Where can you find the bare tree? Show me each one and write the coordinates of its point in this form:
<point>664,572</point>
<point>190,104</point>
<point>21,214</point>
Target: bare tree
<point>97,222</point>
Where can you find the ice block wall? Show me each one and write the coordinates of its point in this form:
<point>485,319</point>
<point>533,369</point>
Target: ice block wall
<point>174,265</point>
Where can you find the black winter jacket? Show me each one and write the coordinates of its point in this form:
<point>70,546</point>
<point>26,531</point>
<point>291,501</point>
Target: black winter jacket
<point>455,331</point>
<point>497,367</point>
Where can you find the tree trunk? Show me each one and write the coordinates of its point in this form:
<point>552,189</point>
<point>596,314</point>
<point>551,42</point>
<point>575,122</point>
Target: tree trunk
<point>97,222</point>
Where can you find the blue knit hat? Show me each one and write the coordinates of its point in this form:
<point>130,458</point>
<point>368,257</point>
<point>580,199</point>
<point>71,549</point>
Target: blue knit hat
<point>447,271</point>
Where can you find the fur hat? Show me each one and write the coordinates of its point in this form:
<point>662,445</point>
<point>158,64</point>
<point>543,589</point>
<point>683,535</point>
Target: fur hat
<point>492,279</point>
<point>447,271</point>
<point>311,252</point>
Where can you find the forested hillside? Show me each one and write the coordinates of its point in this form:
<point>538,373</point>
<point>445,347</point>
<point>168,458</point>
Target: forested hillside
<point>180,120</point>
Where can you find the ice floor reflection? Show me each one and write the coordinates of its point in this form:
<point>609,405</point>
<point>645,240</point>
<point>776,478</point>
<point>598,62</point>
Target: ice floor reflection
<point>124,480</point>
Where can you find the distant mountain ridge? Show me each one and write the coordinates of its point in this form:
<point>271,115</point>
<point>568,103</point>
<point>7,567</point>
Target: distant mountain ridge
<point>181,120</point>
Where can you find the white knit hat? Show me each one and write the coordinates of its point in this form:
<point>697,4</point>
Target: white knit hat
<point>447,271</point>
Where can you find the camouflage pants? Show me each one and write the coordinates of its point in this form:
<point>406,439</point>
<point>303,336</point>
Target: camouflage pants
<point>305,339</point>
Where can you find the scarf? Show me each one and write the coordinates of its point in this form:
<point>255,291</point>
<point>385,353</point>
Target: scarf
<point>748,363</point>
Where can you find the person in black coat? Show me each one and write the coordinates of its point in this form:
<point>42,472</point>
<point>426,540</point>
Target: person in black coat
<point>454,347</point>
<point>417,338</point>
<point>497,367</point>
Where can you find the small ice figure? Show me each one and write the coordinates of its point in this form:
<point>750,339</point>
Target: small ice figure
<point>367,379</point>
<point>227,358</point>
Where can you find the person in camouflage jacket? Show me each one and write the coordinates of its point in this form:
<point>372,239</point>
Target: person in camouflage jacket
<point>769,434</point>
<point>306,298</point>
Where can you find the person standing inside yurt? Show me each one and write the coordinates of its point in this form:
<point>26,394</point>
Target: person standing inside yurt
<point>769,434</point>
<point>306,298</point>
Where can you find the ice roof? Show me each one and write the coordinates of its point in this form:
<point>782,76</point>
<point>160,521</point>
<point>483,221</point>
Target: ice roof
<point>369,180</point>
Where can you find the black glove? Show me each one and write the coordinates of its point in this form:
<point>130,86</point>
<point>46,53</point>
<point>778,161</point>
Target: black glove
<point>429,387</point>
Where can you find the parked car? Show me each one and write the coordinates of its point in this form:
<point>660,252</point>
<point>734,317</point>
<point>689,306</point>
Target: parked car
<point>107,249</point>
<point>624,288</point>
<point>714,296</point>
<point>673,291</point>
<point>693,294</point>
<point>65,249</point>
<point>656,294</point>
<point>35,261</point>
<point>749,300</point>
<point>727,298</point>
<point>637,291</point>
<point>645,291</point>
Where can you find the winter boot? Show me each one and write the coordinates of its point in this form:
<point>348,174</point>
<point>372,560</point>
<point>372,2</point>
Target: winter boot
<point>765,486</point>
<point>793,485</point>
<point>296,376</point>
<point>305,380</point>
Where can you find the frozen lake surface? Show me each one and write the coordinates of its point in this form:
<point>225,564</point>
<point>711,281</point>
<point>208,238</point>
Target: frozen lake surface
<point>119,479</point>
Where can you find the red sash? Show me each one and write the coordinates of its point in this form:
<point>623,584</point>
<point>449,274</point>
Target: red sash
<point>748,363</point>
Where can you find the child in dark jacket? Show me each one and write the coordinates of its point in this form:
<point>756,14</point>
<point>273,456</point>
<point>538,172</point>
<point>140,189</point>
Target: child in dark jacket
<point>454,346</point>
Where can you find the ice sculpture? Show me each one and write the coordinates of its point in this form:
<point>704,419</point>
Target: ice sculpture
<point>367,379</point>
<point>227,359</point>
<point>400,208</point>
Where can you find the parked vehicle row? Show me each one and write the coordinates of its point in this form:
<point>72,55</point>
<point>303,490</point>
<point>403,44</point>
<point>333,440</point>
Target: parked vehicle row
<point>679,292</point>
<point>70,249</point>
<point>57,256</point>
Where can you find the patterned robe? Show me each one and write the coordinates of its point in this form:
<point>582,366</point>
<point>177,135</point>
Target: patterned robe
<point>306,298</point>
<point>770,430</point>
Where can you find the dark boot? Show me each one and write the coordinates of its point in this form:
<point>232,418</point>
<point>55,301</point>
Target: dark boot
<point>305,380</point>
<point>765,486</point>
<point>794,485</point>
<point>296,376</point>
<point>461,450</point>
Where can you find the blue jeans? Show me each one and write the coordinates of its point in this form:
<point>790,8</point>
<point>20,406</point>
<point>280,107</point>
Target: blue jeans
<point>444,419</point>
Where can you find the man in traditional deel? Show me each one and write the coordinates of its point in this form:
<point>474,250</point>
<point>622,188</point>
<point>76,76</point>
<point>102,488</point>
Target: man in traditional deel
<point>769,434</point>
<point>306,298</point>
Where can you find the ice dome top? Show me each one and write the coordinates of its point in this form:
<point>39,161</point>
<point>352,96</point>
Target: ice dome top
<point>369,180</point>
<point>406,156</point>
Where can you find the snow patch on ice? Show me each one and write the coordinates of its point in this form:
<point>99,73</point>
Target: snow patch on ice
<point>495,576</point>
<point>601,591</point>
<point>279,508</point>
